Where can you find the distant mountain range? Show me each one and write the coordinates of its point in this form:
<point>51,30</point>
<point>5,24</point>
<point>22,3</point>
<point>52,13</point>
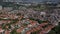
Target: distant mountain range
<point>30,0</point>
<point>33,1</point>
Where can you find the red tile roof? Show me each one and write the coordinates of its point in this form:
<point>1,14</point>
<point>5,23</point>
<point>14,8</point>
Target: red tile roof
<point>36,28</point>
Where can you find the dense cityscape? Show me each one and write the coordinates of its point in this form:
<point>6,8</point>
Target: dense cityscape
<point>29,17</point>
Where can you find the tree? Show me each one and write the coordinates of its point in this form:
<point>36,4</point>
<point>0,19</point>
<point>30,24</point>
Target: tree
<point>55,30</point>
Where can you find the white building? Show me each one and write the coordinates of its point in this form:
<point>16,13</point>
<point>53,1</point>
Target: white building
<point>0,7</point>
